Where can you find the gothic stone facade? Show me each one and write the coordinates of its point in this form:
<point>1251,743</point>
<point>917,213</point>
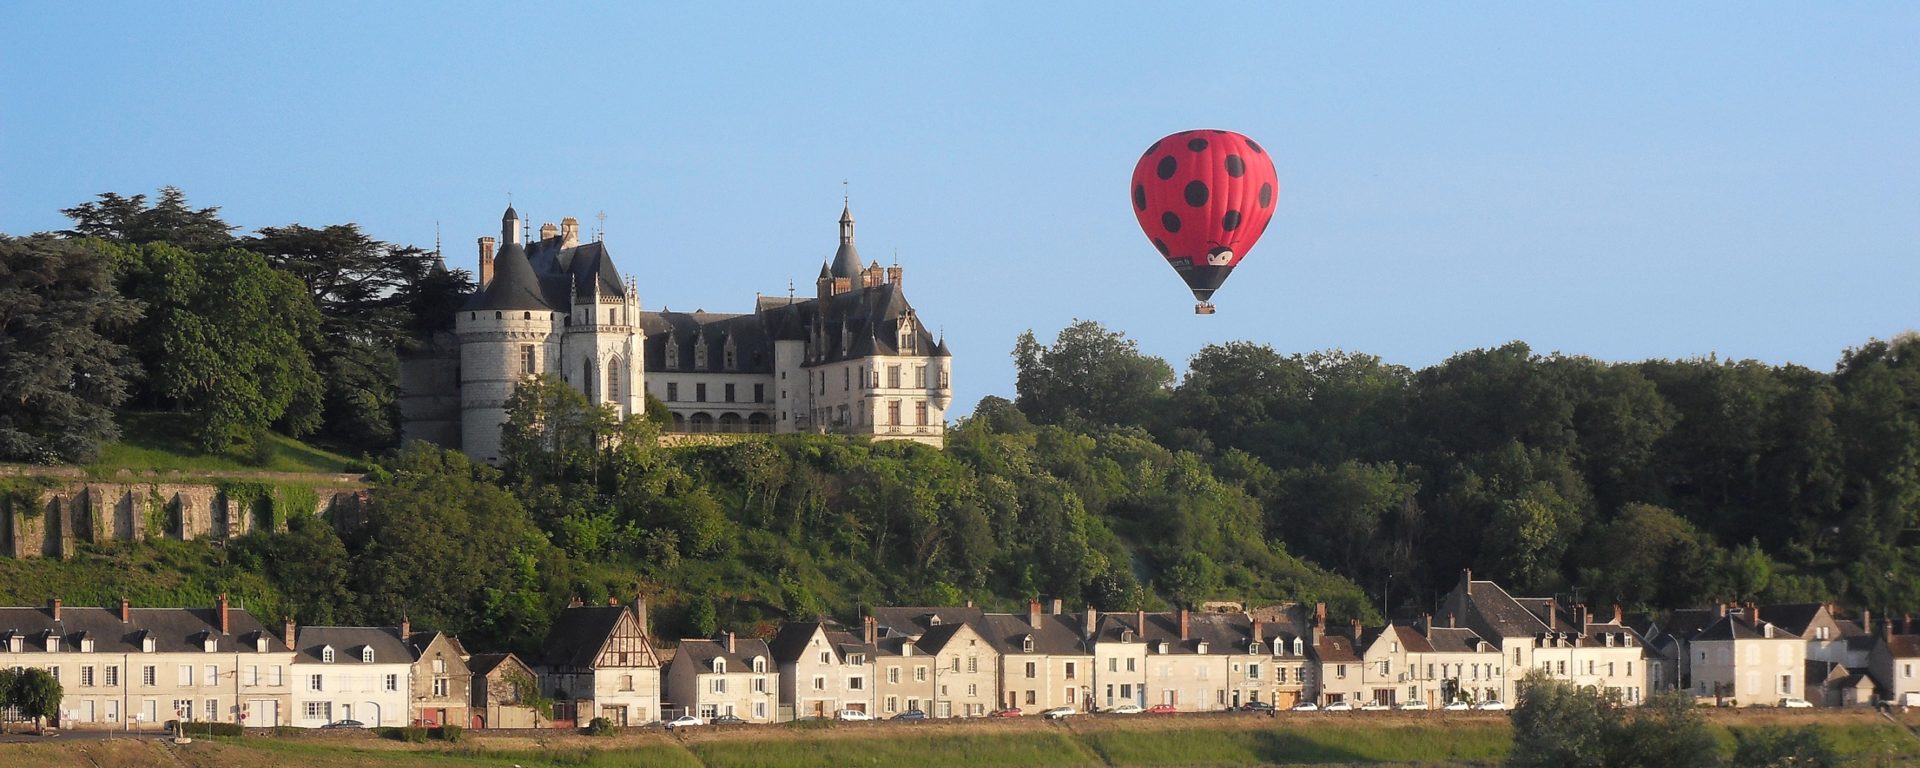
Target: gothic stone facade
<point>854,358</point>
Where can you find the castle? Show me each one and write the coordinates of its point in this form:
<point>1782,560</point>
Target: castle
<point>853,359</point>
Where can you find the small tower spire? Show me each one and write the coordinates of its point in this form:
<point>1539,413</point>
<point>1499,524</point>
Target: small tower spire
<point>846,214</point>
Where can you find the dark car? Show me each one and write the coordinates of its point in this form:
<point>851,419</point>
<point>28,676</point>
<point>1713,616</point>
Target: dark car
<point>345,724</point>
<point>911,715</point>
<point>727,720</point>
<point>1261,707</point>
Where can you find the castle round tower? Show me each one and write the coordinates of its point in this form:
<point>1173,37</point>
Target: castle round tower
<point>508,331</point>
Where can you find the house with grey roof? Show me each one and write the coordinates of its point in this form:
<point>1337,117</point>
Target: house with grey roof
<point>442,684</point>
<point>1046,659</point>
<point>362,674</point>
<point>137,668</point>
<point>723,675</point>
<point>1744,659</point>
<point>599,661</point>
<point>822,669</point>
<point>1895,662</point>
<point>1565,641</point>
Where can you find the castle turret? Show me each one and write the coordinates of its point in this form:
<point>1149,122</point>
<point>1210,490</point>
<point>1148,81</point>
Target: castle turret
<point>509,227</point>
<point>508,331</point>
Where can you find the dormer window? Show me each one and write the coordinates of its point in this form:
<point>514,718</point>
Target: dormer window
<point>326,655</point>
<point>759,665</point>
<point>1253,649</point>
<point>146,644</point>
<point>366,654</point>
<point>210,642</point>
<point>700,352</point>
<point>15,643</point>
<point>1126,635</point>
<point>905,343</point>
<point>86,645</point>
<point>906,648</point>
<point>260,643</point>
<point>1203,646</point>
<point>1160,646</point>
<point>719,666</point>
<point>1297,647</point>
<point>856,659</point>
<point>730,355</point>
<point>933,620</point>
<point>1026,643</point>
<point>53,643</point>
<point>672,354</point>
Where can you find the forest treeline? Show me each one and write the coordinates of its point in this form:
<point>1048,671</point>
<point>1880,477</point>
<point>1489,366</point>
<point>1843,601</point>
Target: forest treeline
<point>1107,481</point>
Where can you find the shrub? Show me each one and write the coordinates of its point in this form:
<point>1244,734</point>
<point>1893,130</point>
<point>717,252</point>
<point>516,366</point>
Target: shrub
<point>210,729</point>
<point>600,726</point>
<point>449,733</point>
<point>413,734</point>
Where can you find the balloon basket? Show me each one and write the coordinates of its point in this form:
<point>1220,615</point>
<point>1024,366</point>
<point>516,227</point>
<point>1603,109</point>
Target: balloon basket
<point>1203,308</point>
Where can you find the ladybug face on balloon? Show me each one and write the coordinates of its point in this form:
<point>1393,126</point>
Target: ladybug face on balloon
<point>1203,198</point>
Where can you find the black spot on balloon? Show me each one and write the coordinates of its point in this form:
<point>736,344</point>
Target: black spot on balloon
<point>1166,168</point>
<point>1266,194</point>
<point>1231,221</point>
<point>1256,146</point>
<point>1235,166</point>
<point>1196,193</point>
<point>1197,144</point>
<point>1139,197</point>
<point>1162,245</point>
<point>1170,221</point>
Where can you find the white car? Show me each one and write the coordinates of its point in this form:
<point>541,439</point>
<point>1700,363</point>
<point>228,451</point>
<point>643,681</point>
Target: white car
<point>684,721</point>
<point>1338,706</point>
<point>1058,713</point>
<point>1491,706</point>
<point>1796,704</point>
<point>1305,706</point>
<point>1126,709</point>
<point>1375,706</point>
<point>852,715</point>
<point>1413,704</point>
<point>1457,706</point>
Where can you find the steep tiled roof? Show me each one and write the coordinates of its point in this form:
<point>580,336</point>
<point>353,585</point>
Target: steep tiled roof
<point>172,629</point>
<point>1736,627</point>
<point>578,634</point>
<point>915,620</point>
<point>346,643</point>
<point>1793,617</point>
<point>1499,613</point>
<point>702,652</point>
<point>1057,634</point>
<point>1903,646</point>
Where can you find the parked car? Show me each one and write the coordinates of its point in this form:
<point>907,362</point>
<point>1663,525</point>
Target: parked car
<point>1338,706</point>
<point>1375,706</point>
<point>1457,706</point>
<point>1162,709</point>
<point>852,715</point>
<point>1305,706</point>
<point>1791,703</point>
<point>1008,712</point>
<point>1491,706</point>
<point>1058,713</point>
<point>728,720</point>
<point>685,721</point>
<point>1260,707</point>
<point>1413,705</point>
<point>345,724</point>
<point>912,715</point>
<point>1125,709</point>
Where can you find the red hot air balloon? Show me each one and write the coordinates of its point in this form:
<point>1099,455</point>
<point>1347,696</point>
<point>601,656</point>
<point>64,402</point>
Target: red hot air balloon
<point>1204,197</point>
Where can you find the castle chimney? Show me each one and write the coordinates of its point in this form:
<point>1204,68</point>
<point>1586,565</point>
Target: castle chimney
<point>1033,613</point>
<point>1057,604</point>
<point>870,634</point>
<point>842,285</point>
<point>226,626</point>
<point>1185,619</point>
<point>54,608</point>
<point>1090,623</point>
<point>731,648</point>
<point>569,232</point>
<point>486,262</point>
<point>548,231</point>
<point>287,635</point>
<point>126,611</point>
<point>894,275</point>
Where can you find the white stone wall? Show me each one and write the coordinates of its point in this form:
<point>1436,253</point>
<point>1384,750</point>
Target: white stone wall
<point>353,691</point>
<point>492,367</point>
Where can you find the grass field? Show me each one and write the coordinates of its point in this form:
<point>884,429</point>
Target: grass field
<point>1198,741</point>
<point>164,442</point>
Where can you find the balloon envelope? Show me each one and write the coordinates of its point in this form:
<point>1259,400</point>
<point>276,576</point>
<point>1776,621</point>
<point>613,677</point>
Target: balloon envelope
<point>1204,197</point>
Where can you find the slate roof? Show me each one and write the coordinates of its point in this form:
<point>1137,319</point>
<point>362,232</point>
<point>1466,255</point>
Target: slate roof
<point>483,664</point>
<point>792,639</point>
<point>862,322</point>
<point>703,651</point>
<point>935,640</point>
<point>1453,640</point>
<point>753,350</point>
<point>1057,635</point>
<point>174,630</point>
<point>1733,626</point>
<point>515,286</point>
<point>1498,613</point>
<point>846,260</point>
<point>1687,622</point>
<point>1903,646</point>
<point>578,634</point>
<point>347,642</point>
<point>586,266</point>
<point>918,620</point>
<point>1793,617</point>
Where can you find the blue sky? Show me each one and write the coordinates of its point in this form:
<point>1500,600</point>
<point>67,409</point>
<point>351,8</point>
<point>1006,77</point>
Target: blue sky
<point>1621,180</point>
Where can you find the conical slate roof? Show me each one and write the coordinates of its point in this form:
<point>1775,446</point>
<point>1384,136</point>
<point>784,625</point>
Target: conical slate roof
<point>514,285</point>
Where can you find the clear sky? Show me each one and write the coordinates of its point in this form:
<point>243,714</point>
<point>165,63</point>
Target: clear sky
<point>1618,180</point>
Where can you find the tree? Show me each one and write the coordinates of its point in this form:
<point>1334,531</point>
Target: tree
<point>1556,723</point>
<point>1090,374</point>
<point>130,220</point>
<point>225,337</point>
<point>62,376</point>
<point>702,619</point>
<point>36,694</point>
<point>309,564</point>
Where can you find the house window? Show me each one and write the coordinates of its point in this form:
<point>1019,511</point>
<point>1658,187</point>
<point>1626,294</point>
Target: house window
<point>393,682</point>
<point>819,683</point>
<point>846,379</point>
<point>313,683</point>
<point>183,708</point>
<point>319,710</point>
<point>759,710</point>
<point>718,685</point>
<point>186,675</point>
<point>700,392</point>
<point>326,655</point>
<point>1253,671</point>
<point>112,676</point>
<point>893,704</point>
<point>440,687</point>
<point>1340,671</point>
<point>1786,683</point>
<point>856,683</point>
<point>1032,669</point>
<point>920,673</point>
<point>1070,669</point>
<point>213,709</point>
<point>973,664</point>
<point>147,677</point>
<point>86,677</point>
<point>212,677</point>
<point>1029,697</point>
<point>920,376</point>
<point>1130,663</point>
<point>759,685</point>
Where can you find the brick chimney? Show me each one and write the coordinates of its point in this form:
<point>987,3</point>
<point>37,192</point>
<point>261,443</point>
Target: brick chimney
<point>613,602</point>
<point>486,261</point>
<point>126,611</point>
<point>1057,605</point>
<point>1033,613</point>
<point>870,633</point>
<point>1319,626</point>
<point>53,607</point>
<point>640,613</point>
<point>1184,623</point>
<point>731,647</point>
<point>288,636</point>
<point>569,232</point>
<point>226,624</point>
<point>1753,612</point>
<point>895,275</point>
<point>406,627</point>
<point>1259,632</point>
<point>1090,623</point>
<point>1618,616</point>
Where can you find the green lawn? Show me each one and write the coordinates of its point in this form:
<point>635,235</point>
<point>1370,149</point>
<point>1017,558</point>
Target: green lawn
<point>1307,744</point>
<point>981,750</point>
<point>164,442</point>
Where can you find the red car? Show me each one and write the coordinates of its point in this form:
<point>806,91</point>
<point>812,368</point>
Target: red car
<point>1161,709</point>
<point>1009,712</point>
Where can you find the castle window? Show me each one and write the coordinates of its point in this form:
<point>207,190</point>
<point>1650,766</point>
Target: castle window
<point>673,354</point>
<point>526,315</point>
<point>920,376</point>
<point>893,413</point>
<point>732,358</point>
<point>613,380</point>
<point>893,377</point>
<point>673,392</point>
<point>699,353</point>
<point>729,393</point>
<point>920,413</point>
<point>759,393</point>
<point>586,379</point>
<point>700,392</point>
<point>529,359</point>
<point>846,379</point>
<point>613,317</point>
